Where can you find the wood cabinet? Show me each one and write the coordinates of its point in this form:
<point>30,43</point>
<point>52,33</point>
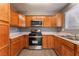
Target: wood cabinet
<point>28,21</point>
<point>47,41</point>
<point>59,19</point>
<point>15,46</point>
<point>57,45</point>
<point>5,12</point>
<point>5,50</point>
<point>26,41</point>
<point>14,18</point>
<point>4,38</point>
<point>67,48</point>
<point>4,33</point>
<point>53,21</point>
<point>18,44</point>
<point>4,29</point>
<point>63,47</point>
<point>21,20</point>
<point>67,51</point>
<point>76,50</point>
<point>47,21</point>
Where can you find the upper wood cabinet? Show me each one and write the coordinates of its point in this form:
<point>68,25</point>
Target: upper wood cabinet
<point>28,21</point>
<point>5,12</point>
<point>53,21</point>
<point>59,19</point>
<point>21,20</point>
<point>14,18</point>
<point>48,21</point>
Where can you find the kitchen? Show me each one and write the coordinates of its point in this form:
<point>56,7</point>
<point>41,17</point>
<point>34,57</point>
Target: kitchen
<point>39,29</point>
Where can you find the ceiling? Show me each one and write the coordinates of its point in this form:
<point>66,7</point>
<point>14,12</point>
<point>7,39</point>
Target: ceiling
<point>38,8</point>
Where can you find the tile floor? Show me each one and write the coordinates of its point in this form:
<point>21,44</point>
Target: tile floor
<point>43,52</point>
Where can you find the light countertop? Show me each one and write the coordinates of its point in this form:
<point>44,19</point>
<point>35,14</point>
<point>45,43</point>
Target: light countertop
<point>58,34</point>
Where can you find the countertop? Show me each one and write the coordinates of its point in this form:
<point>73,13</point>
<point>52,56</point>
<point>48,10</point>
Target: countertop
<point>58,34</point>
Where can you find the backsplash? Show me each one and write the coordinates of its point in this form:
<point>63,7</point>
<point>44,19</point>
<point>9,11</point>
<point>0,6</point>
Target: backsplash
<point>15,29</point>
<point>42,29</point>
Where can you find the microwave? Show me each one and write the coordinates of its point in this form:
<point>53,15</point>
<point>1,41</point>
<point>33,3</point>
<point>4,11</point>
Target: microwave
<point>37,23</point>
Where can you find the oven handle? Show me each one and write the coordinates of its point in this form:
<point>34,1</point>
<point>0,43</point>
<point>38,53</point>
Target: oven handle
<point>35,36</point>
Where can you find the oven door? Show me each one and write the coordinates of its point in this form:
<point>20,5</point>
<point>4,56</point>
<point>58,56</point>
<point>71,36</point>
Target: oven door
<point>35,42</point>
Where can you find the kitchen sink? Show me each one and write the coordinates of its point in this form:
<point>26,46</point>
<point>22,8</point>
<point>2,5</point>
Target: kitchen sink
<point>70,37</point>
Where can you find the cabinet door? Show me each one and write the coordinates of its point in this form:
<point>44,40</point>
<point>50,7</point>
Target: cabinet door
<point>50,42</point>
<point>14,18</point>
<point>15,46</point>
<point>28,21</point>
<point>21,20</point>
<point>5,50</point>
<point>4,33</point>
<point>47,21</point>
<point>59,19</point>
<point>57,45</point>
<point>5,12</point>
<point>53,21</point>
<point>20,23</point>
<point>66,51</point>
<point>45,42</point>
<point>26,42</point>
<point>77,54</point>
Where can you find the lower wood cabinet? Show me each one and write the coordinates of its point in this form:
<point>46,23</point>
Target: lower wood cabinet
<point>5,50</point>
<point>18,44</point>
<point>67,51</point>
<point>15,46</point>
<point>4,38</point>
<point>57,45</point>
<point>26,41</point>
<point>47,41</point>
<point>76,50</point>
<point>67,48</point>
<point>63,47</point>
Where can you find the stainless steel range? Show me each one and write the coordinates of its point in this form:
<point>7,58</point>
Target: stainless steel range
<point>35,39</point>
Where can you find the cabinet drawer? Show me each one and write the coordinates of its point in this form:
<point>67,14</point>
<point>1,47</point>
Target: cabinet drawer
<point>69,44</point>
